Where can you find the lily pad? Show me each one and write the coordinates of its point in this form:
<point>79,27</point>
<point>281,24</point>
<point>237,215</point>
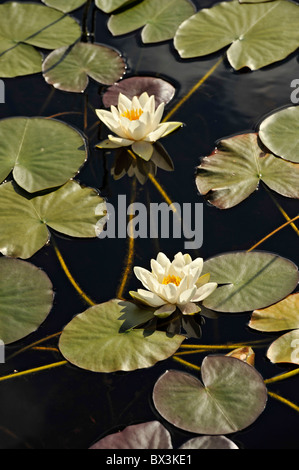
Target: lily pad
<point>256,33</point>
<point>209,443</point>
<point>26,298</point>
<point>110,5</point>
<point>231,397</point>
<point>285,349</point>
<point>25,25</point>
<point>279,132</point>
<point>162,90</point>
<point>96,340</point>
<point>43,153</point>
<point>249,281</point>
<point>65,5</point>
<point>151,435</point>
<point>235,168</point>
<point>278,317</point>
<point>69,70</point>
<point>24,222</point>
<point>159,22</point>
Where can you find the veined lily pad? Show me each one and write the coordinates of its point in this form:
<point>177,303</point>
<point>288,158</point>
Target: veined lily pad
<point>256,33</point>
<point>249,281</point>
<point>97,340</point>
<point>26,298</point>
<point>285,349</point>
<point>279,132</point>
<point>43,153</point>
<point>210,443</point>
<point>110,5</point>
<point>278,317</point>
<point>233,172</point>
<point>24,25</point>
<point>162,90</point>
<point>65,5</point>
<point>69,70</point>
<point>231,397</point>
<point>160,21</point>
<point>23,222</point>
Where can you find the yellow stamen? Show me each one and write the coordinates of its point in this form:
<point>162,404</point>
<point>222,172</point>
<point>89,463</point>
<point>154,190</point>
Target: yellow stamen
<point>132,114</point>
<point>172,280</point>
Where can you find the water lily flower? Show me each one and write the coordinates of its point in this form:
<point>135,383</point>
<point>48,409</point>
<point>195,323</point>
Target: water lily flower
<point>136,123</point>
<point>173,284</point>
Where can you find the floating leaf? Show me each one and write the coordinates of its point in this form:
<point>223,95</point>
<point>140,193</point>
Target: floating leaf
<point>285,349</point>
<point>151,435</point>
<point>209,443</point>
<point>70,210</point>
<point>110,5</point>
<point>26,298</point>
<point>65,5</point>
<point>231,397</point>
<point>24,25</point>
<point>96,340</point>
<point>255,42</point>
<point>278,317</point>
<point>279,132</point>
<point>43,153</point>
<point>68,70</point>
<point>162,90</point>
<point>160,22</point>
<point>249,281</point>
<point>233,172</point>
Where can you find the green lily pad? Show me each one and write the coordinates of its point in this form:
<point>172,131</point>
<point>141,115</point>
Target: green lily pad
<point>159,22</point>
<point>236,167</point>
<point>110,5</point>
<point>24,222</point>
<point>65,5</point>
<point>96,340</point>
<point>43,153</point>
<point>209,443</point>
<point>231,397</point>
<point>285,349</point>
<point>279,132</point>
<point>151,435</point>
<point>26,298</point>
<point>25,25</point>
<point>70,70</point>
<point>278,317</point>
<point>249,281</point>
<point>256,33</point>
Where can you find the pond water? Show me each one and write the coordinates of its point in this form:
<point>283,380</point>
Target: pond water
<point>69,408</point>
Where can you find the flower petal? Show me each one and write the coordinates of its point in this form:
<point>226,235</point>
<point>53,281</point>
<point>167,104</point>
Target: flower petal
<point>165,311</point>
<point>163,130</point>
<point>163,260</point>
<point>186,296</point>
<point>124,101</point>
<point>204,291</point>
<point>189,309</point>
<point>150,298</point>
<point>143,149</point>
<point>119,140</point>
<point>108,144</point>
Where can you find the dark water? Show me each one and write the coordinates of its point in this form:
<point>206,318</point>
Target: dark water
<point>68,408</point>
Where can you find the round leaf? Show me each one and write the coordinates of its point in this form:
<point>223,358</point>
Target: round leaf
<point>23,222</point>
<point>249,281</point>
<point>26,298</point>
<point>256,32</point>
<point>134,86</point>
<point>43,153</point>
<point>278,317</point>
<point>110,5</point>
<point>65,5</point>
<point>209,443</point>
<point>285,349</point>
<point>236,167</point>
<point>279,133</point>
<point>24,25</point>
<point>96,340</point>
<point>151,435</point>
<point>231,397</point>
<point>160,23</point>
<point>69,70</point>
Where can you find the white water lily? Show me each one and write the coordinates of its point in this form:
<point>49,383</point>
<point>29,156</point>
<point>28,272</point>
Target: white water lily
<point>174,284</point>
<point>136,123</point>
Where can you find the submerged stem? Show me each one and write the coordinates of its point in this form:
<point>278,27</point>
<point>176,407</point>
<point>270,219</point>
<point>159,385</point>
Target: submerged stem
<point>32,371</point>
<point>284,400</point>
